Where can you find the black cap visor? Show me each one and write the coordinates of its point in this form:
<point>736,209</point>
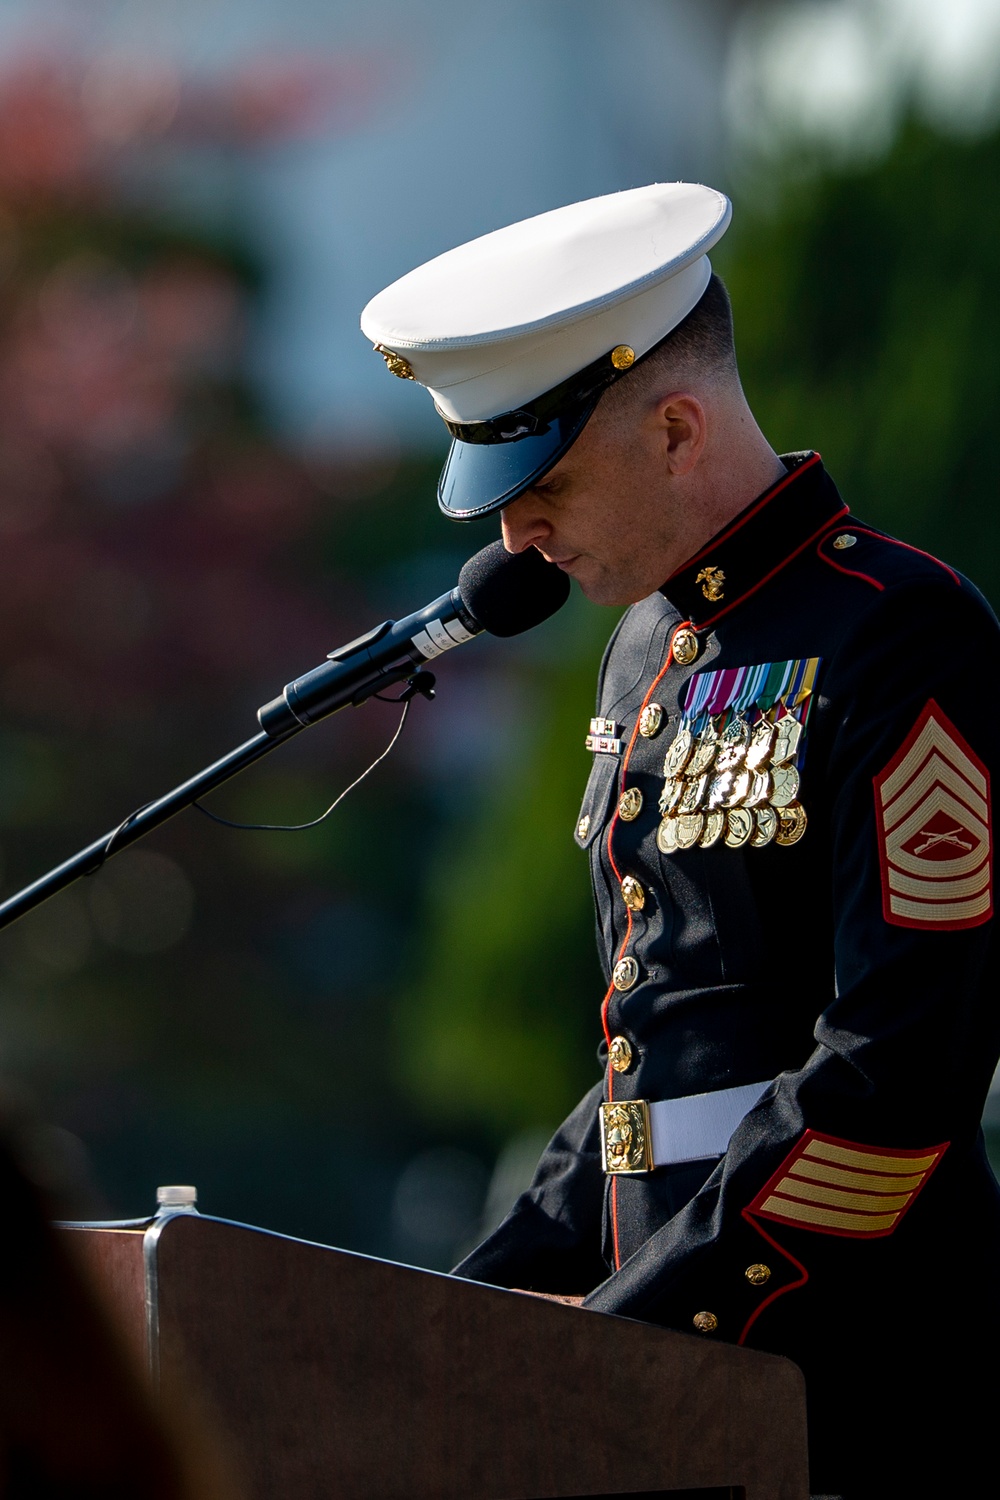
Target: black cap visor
<point>480,477</point>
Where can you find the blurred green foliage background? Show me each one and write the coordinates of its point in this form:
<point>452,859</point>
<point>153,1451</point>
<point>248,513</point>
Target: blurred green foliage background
<point>339,1033</point>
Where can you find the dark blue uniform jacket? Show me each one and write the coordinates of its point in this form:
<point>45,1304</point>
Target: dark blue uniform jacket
<point>853,1224</point>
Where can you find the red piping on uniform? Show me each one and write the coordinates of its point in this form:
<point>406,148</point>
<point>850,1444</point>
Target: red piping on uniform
<point>683,625</point>
<point>705,624</point>
<point>851,572</point>
<point>779,1291</point>
<point>894,542</point>
<point>742,520</point>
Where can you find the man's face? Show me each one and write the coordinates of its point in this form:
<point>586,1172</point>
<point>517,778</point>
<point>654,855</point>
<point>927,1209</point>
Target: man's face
<point>603,513</point>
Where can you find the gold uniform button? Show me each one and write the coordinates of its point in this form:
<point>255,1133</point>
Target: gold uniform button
<point>620,1054</point>
<point>705,1322</point>
<point>630,804</point>
<point>633,894</point>
<point>685,647</point>
<point>623,357</point>
<point>651,720</point>
<point>844,540</point>
<point>626,972</point>
<point>583,827</point>
<point>757,1274</point>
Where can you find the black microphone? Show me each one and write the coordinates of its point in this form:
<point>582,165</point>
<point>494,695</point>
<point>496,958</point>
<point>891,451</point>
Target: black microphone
<point>498,591</point>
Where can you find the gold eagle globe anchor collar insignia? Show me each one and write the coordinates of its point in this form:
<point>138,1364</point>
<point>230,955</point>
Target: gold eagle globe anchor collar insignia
<point>754,548</point>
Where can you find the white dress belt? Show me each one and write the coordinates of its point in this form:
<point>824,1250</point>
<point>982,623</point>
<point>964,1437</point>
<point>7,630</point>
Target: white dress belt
<point>699,1125</point>
<point>638,1135</point>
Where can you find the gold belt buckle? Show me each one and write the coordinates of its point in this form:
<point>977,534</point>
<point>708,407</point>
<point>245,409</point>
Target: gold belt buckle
<point>626,1140</point>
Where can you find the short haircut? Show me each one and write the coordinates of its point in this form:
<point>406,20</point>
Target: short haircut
<point>701,345</point>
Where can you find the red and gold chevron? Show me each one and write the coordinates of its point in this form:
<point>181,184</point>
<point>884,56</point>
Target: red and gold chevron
<point>843,1188</point>
<point>932,803</point>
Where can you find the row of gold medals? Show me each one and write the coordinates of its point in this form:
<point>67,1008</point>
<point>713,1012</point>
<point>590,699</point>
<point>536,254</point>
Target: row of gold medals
<point>737,781</point>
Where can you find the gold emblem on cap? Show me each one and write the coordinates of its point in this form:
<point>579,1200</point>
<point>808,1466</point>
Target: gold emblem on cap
<point>622,357</point>
<point>651,720</point>
<point>626,972</point>
<point>685,647</point>
<point>711,580</point>
<point>758,1273</point>
<point>620,1054</point>
<point>705,1322</point>
<point>633,894</point>
<point>630,804</point>
<point>397,365</point>
<point>844,540</point>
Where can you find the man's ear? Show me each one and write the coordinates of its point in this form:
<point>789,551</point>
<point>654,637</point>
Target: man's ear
<point>682,427</point>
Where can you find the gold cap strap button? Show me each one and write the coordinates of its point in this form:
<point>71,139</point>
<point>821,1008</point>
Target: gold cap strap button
<point>633,894</point>
<point>757,1274</point>
<point>705,1322</point>
<point>620,1054</point>
<point>685,647</point>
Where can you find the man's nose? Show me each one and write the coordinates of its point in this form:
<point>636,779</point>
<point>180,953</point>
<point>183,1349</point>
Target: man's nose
<point>523,525</point>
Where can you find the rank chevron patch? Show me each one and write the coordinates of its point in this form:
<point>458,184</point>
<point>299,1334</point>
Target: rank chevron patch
<point>932,803</point>
<point>844,1188</point>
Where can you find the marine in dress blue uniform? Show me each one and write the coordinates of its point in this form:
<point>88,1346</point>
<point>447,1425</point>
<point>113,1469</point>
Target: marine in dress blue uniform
<point>789,827</point>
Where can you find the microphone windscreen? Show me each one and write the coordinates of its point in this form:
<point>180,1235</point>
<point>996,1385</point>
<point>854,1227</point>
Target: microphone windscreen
<point>508,592</point>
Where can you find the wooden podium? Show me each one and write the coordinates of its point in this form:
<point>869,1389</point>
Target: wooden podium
<point>334,1376</point>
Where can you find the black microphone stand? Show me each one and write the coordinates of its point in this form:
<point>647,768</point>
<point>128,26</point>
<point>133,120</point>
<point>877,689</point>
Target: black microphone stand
<point>349,677</point>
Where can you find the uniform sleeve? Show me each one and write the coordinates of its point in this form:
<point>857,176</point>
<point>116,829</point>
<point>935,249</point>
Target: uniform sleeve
<point>896,780</point>
<point>550,1241</point>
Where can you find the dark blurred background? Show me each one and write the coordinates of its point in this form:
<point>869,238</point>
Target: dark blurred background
<point>362,1034</point>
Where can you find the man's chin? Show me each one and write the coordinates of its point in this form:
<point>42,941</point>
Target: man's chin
<point>614,593</point>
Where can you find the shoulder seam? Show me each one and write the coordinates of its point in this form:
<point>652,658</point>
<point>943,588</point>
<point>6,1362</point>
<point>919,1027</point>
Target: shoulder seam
<point>893,541</point>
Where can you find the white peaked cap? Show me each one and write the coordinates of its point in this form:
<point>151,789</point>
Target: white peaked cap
<point>496,323</point>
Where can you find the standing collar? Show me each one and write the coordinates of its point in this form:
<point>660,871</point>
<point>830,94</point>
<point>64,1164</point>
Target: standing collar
<point>762,540</point>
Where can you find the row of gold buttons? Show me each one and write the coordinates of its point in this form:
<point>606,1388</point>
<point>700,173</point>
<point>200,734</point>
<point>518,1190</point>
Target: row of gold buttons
<point>758,1275</point>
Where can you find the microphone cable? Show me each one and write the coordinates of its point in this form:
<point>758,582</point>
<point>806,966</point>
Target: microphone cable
<point>420,682</point>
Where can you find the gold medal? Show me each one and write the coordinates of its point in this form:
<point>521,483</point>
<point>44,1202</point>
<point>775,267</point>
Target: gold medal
<point>760,791</point>
<point>766,821</point>
<point>718,792</point>
<point>666,836</point>
<point>679,753</point>
<point>694,795</point>
<point>760,744</point>
<point>791,824</point>
<point>673,791</point>
<point>630,804</point>
<point>715,822</point>
<point>787,735</point>
<point>650,720</point>
<point>740,825</point>
<point>705,749</point>
<point>689,829</point>
<point>735,739</point>
<point>785,786</point>
<point>740,789</point>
